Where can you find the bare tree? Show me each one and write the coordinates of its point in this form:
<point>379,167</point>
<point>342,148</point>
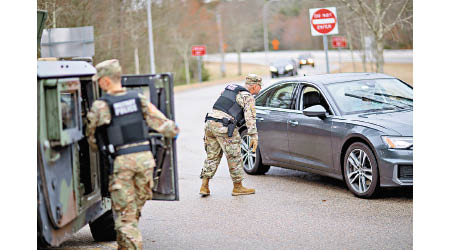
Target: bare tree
<point>381,17</point>
<point>238,26</point>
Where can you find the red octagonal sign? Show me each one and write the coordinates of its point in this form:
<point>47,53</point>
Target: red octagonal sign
<point>323,21</point>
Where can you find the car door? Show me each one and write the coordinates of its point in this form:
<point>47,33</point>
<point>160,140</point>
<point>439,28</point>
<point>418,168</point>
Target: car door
<point>159,90</point>
<point>271,120</point>
<point>310,137</point>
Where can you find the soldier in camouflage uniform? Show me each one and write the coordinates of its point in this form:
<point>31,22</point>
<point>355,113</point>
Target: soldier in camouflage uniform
<point>131,182</point>
<point>235,104</point>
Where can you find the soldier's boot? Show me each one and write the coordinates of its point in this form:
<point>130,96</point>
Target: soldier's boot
<point>204,189</point>
<point>241,190</point>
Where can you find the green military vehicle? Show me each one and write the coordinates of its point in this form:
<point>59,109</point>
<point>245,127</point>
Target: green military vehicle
<point>72,179</point>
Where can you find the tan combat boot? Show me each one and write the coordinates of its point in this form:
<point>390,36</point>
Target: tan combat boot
<point>241,190</point>
<point>204,190</point>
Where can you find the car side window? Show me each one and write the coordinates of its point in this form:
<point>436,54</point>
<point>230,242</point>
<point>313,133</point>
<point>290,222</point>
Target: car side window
<point>282,96</point>
<point>261,100</point>
<point>312,96</point>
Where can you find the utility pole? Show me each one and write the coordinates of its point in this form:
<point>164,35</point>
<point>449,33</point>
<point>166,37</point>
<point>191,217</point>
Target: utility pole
<point>266,39</point>
<point>222,56</point>
<point>150,37</point>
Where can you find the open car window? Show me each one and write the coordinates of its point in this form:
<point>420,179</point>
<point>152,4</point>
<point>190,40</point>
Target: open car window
<point>311,96</point>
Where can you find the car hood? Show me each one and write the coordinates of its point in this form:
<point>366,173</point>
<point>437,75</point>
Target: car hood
<point>398,121</point>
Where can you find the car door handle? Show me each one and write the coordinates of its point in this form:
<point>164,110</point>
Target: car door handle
<point>259,119</point>
<point>293,123</point>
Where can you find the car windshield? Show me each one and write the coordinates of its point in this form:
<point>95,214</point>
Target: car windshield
<point>371,95</point>
<point>282,61</point>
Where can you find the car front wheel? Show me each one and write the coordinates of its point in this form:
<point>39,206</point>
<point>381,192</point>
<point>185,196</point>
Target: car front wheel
<point>251,160</point>
<point>361,170</point>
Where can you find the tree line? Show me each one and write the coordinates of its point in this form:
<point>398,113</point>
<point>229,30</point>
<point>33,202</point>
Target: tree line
<point>121,31</point>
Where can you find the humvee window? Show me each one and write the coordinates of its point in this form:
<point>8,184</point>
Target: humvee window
<point>63,111</point>
<point>68,115</point>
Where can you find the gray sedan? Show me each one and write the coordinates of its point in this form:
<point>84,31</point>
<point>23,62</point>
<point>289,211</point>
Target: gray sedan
<point>355,127</point>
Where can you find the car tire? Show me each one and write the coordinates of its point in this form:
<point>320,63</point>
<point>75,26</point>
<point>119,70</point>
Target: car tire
<point>252,162</point>
<point>360,167</point>
<point>312,65</point>
<point>102,229</point>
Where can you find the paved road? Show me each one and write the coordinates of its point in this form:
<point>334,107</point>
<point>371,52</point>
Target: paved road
<point>290,210</point>
<point>393,56</point>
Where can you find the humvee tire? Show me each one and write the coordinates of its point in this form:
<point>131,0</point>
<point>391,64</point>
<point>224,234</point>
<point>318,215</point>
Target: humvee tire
<point>102,229</point>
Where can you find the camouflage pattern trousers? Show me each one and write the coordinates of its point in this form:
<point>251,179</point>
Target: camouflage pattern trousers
<point>216,142</point>
<point>130,186</point>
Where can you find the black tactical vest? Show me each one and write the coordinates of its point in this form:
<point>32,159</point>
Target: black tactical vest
<point>127,120</point>
<point>227,103</point>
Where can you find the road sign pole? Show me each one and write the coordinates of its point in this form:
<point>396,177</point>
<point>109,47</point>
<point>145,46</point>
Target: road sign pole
<point>325,48</point>
<point>340,64</point>
<point>199,63</point>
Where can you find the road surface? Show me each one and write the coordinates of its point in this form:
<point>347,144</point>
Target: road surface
<point>290,210</point>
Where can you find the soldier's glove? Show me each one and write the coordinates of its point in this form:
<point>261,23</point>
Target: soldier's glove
<point>177,131</point>
<point>253,143</point>
<point>92,142</point>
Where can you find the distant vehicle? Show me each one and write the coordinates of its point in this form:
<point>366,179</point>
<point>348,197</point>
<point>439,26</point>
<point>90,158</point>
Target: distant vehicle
<point>355,127</point>
<point>283,67</point>
<point>305,59</point>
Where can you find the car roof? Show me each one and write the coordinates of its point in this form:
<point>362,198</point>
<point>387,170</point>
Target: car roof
<point>341,77</point>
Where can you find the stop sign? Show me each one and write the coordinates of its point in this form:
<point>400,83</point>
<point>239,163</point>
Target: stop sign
<point>323,21</point>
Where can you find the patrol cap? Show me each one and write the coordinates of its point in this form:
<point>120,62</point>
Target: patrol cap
<point>107,68</point>
<point>253,79</point>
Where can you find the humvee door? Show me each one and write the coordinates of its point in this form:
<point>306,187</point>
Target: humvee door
<point>158,89</point>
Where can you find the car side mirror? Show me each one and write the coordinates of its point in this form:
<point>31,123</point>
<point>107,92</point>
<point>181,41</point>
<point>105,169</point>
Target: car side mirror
<point>315,111</point>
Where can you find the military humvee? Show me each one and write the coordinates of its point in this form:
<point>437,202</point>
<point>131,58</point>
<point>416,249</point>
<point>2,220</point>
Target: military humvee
<point>72,179</point>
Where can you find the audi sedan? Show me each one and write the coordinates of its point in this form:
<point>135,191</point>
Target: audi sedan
<point>356,127</point>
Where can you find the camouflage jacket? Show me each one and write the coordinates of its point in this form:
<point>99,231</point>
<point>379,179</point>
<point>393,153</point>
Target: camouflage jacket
<point>247,102</point>
<point>100,115</point>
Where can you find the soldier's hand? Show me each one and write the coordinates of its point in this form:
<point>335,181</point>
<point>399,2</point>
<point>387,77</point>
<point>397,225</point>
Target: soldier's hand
<point>177,131</point>
<point>92,143</point>
<point>253,144</point>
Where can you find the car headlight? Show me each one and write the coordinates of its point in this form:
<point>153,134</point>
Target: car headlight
<point>273,69</point>
<point>396,142</point>
<point>303,61</point>
<point>310,60</point>
<point>289,67</point>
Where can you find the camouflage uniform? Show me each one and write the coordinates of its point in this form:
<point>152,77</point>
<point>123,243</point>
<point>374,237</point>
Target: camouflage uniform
<point>217,141</point>
<point>132,179</point>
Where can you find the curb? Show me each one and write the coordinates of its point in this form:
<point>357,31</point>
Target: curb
<point>183,88</point>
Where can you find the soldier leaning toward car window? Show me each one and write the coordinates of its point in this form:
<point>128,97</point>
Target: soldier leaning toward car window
<point>235,107</point>
<point>118,117</point>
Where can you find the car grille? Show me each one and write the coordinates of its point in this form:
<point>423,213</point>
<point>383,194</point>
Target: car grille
<point>405,172</point>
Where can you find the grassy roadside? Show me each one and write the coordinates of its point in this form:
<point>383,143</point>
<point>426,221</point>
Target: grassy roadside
<point>403,71</point>
<point>232,74</point>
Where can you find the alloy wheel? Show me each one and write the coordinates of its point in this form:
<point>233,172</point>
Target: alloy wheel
<point>359,171</point>
<point>248,156</point>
